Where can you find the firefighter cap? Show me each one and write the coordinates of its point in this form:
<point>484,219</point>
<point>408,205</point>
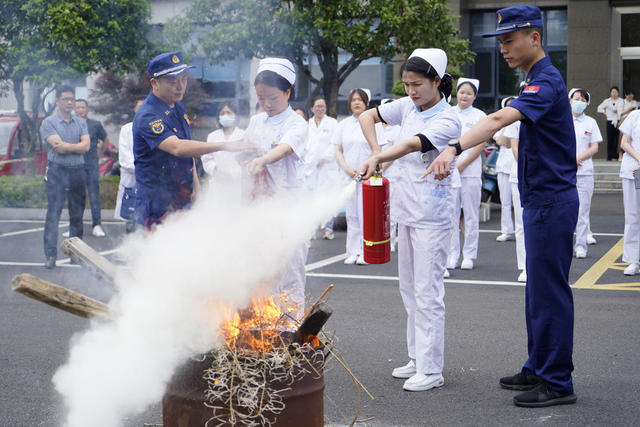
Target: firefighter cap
<point>516,18</point>
<point>167,64</point>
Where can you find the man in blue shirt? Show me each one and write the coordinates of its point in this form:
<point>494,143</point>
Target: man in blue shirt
<point>162,145</point>
<point>547,184</point>
<point>67,139</point>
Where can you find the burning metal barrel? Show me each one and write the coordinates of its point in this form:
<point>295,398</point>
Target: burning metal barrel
<point>261,377</point>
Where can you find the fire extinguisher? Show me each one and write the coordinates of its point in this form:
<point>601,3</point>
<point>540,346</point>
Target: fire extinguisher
<point>376,228</point>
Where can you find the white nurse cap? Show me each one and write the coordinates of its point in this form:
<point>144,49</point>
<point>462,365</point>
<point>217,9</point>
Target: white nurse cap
<point>575,89</point>
<point>436,57</point>
<point>473,82</point>
<point>504,101</point>
<point>368,92</point>
<point>281,66</point>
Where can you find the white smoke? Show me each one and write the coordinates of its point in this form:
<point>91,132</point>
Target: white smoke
<point>216,252</point>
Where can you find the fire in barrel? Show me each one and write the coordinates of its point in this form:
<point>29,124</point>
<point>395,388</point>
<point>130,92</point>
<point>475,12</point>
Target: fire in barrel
<point>269,372</point>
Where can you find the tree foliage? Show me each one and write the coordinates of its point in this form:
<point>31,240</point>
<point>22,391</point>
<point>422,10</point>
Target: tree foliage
<point>45,42</point>
<point>300,29</point>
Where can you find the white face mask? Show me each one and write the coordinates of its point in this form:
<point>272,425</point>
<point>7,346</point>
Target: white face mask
<point>578,106</point>
<point>227,120</point>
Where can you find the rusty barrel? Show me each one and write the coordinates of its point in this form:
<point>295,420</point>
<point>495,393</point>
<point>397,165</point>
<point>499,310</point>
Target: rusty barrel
<point>183,404</point>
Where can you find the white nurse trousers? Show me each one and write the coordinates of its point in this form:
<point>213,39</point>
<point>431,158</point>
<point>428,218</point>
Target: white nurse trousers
<point>521,254</point>
<point>467,197</point>
<point>631,199</point>
<point>506,222</point>
<point>422,256</point>
<point>584,184</point>
<point>293,279</point>
<point>353,215</point>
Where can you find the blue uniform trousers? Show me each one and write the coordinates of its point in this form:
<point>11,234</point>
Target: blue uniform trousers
<point>63,183</point>
<point>548,237</point>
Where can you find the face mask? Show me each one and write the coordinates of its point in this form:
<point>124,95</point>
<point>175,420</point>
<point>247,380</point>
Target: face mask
<point>227,120</point>
<point>578,106</point>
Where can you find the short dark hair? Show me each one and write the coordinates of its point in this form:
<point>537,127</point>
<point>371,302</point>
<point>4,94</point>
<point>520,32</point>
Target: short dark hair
<point>317,98</point>
<point>83,100</point>
<point>64,88</point>
<point>361,93</point>
<point>629,92</point>
<point>614,87</point>
<point>269,78</point>
<point>538,30</point>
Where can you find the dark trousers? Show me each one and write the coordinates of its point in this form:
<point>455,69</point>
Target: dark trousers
<point>612,141</point>
<point>548,238</point>
<point>62,183</point>
<point>92,178</point>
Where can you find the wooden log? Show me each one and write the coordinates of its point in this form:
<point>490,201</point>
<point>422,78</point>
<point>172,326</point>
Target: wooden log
<point>313,323</point>
<point>58,296</point>
<point>86,256</point>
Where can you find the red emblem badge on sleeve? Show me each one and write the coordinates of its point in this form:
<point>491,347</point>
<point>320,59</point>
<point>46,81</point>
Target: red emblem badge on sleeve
<point>531,89</point>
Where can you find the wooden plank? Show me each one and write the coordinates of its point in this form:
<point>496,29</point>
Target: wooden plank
<point>58,296</point>
<point>86,256</point>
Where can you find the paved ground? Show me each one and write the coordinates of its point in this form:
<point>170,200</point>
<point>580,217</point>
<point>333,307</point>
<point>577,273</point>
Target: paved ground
<point>485,333</point>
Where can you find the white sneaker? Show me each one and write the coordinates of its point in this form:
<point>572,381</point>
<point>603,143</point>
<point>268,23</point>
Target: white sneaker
<point>351,259</point>
<point>328,234</point>
<point>98,231</point>
<point>452,262</point>
<point>393,248</point>
<point>361,261</point>
<point>446,274</point>
<point>467,264</point>
<point>591,240</point>
<point>523,276</point>
<point>66,234</point>
<point>505,237</point>
<point>406,371</point>
<point>632,270</point>
<point>581,253</point>
<point>422,382</point>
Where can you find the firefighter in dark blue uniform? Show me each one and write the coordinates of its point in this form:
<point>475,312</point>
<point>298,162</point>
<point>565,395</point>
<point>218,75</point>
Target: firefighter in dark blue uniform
<point>162,145</point>
<point>547,184</point>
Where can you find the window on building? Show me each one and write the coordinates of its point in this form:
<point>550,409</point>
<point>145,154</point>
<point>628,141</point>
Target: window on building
<point>497,80</point>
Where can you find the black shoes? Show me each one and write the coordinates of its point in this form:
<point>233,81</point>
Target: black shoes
<point>50,262</point>
<point>520,382</point>
<point>542,396</point>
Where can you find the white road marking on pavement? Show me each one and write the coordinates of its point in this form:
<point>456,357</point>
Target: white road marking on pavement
<point>365,277</point>
<point>64,262</point>
<point>324,262</point>
<point>16,233</point>
<point>595,234</point>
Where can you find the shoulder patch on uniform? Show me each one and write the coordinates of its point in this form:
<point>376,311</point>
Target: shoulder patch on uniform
<point>531,89</point>
<point>157,126</point>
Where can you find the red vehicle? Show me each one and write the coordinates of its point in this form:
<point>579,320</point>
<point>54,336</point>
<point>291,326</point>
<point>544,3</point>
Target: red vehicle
<point>13,161</point>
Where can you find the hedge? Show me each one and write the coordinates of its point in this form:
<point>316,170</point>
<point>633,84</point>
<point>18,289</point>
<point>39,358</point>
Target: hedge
<point>28,192</point>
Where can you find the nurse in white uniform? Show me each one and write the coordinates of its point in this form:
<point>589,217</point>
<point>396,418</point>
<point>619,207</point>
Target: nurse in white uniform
<point>587,139</point>
<point>280,135</point>
<point>321,169</point>
<point>223,165</point>
<point>470,168</point>
<point>424,207</point>
<point>629,169</point>
<point>351,151</point>
<point>388,136</point>
<point>503,168</point>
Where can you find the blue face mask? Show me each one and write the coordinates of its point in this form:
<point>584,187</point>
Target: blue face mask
<point>227,120</point>
<point>578,106</point>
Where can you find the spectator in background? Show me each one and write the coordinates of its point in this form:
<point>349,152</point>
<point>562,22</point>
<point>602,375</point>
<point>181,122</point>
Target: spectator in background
<point>224,165</point>
<point>628,105</point>
<point>302,113</point>
<point>127,185</point>
<point>611,108</point>
<point>67,139</point>
<point>99,142</point>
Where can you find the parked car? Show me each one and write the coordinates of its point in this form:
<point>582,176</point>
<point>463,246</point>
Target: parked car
<point>13,160</point>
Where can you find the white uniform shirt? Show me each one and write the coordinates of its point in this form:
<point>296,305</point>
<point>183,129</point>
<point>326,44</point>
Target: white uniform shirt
<point>284,128</point>
<point>125,156</point>
<point>387,136</point>
<point>631,127</point>
<point>223,161</point>
<point>505,155</point>
<point>468,118</point>
<point>422,203</point>
<point>513,131</point>
<point>355,147</point>
<point>320,146</point>
<point>587,131</point>
<point>607,106</point>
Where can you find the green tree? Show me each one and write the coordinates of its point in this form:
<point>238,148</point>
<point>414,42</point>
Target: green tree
<point>44,42</point>
<point>300,29</point>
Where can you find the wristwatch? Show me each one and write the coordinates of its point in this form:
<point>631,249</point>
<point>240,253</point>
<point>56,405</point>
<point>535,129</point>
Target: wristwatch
<point>456,144</point>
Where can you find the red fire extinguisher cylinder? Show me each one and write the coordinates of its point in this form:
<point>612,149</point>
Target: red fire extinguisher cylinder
<point>376,223</point>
